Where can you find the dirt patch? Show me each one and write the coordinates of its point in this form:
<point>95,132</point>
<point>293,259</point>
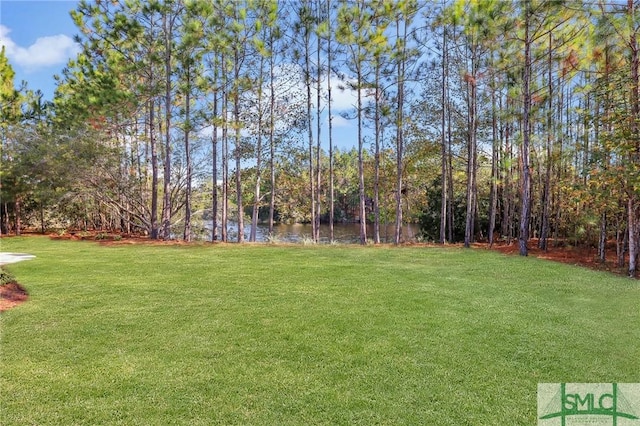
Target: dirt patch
<point>584,256</point>
<point>12,294</point>
<point>114,238</point>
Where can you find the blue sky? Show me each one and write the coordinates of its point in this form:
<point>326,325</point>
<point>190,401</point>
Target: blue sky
<point>38,40</point>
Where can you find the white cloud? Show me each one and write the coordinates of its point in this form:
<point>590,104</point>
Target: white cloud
<point>44,52</point>
<point>343,97</point>
<point>339,121</point>
<point>207,132</point>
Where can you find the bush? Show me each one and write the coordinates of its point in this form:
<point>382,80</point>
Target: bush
<point>6,277</point>
<point>273,239</point>
<point>307,240</point>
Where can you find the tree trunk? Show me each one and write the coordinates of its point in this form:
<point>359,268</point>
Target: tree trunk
<point>256,193</point>
<point>307,73</point>
<point>214,168</point>
<point>493,196</point>
<point>18,215</point>
<point>272,142</point>
<point>166,201</point>
<point>154,171</point>
<point>546,194</point>
<point>225,155</point>
<point>6,223</point>
<point>506,167</point>
<point>187,150</point>
<point>443,147</point>
<point>397,239</point>
<point>526,172</point>
<point>361,193</point>
<point>632,227</point>
<point>318,204</point>
<point>450,200</point>
<point>272,146</point>
<point>376,176</point>
<point>43,228</point>
<point>329,100</point>
<point>632,207</point>
<point>471,152</point>
<point>238,149</point>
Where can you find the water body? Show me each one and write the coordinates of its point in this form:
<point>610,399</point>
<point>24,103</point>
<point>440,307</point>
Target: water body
<point>345,233</point>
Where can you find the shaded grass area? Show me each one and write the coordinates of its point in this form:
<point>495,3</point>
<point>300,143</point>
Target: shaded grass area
<point>157,335</point>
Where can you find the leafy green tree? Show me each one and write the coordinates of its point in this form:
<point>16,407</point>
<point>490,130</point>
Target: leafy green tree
<point>120,68</point>
<point>9,116</point>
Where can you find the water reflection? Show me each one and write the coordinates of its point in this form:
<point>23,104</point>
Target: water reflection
<point>297,233</point>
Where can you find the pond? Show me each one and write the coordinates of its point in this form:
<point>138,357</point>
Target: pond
<point>296,233</point>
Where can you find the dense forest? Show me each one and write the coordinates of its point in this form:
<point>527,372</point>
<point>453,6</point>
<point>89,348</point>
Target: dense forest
<point>480,120</point>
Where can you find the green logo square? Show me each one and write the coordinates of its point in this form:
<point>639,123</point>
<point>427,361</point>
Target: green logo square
<point>592,404</point>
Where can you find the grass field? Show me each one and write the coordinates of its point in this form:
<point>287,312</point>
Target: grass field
<point>268,335</point>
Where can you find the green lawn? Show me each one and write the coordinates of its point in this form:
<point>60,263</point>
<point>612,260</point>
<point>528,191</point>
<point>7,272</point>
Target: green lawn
<point>267,335</point>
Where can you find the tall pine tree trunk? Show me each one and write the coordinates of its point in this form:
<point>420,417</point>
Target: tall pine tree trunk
<point>443,142</point>
<point>18,215</point>
<point>400,132</point>
<point>272,143</point>
<point>450,200</point>
<point>238,147</point>
<point>310,150</point>
<point>166,201</point>
<point>632,207</point>
<point>187,152</point>
<point>495,149</point>
<point>361,193</point>
<point>256,192</point>
<point>546,195</point>
<point>376,176</point>
<point>525,210</point>
<point>329,101</point>
<point>471,151</point>
<point>318,177</point>
<point>214,169</point>
<point>154,171</point>
<point>225,155</point>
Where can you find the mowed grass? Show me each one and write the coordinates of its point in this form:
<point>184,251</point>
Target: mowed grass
<point>267,335</point>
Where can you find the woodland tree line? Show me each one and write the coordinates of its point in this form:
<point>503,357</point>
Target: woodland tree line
<point>514,120</point>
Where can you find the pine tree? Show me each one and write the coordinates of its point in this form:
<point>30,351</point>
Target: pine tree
<point>9,115</point>
<point>353,32</point>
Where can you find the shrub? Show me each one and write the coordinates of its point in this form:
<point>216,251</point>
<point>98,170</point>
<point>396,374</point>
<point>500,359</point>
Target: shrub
<point>307,240</point>
<point>6,277</point>
<point>273,239</point>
